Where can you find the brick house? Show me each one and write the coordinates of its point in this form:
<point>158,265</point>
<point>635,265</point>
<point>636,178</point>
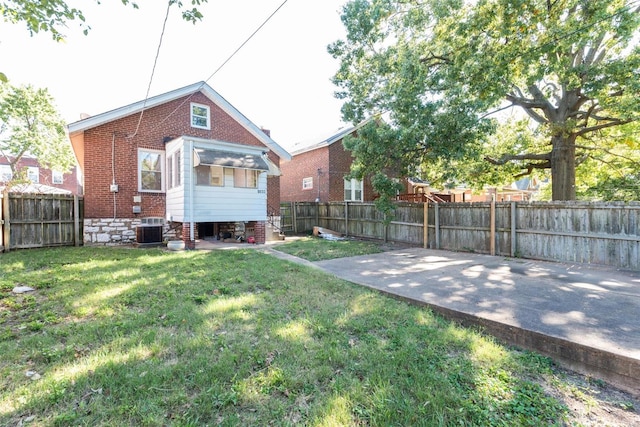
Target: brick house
<point>317,169</point>
<point>42,179</point>
<point>186,160</point>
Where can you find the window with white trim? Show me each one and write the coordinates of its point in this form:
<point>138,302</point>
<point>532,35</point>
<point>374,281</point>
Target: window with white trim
<point>33,174</point>
<point>170,184</point>
<point>200,116</point>
<point>210,175</point>
<point>57,177</point>
<point>307,183</point>
<point>177,172</point>
<point>150,170</point>
<point>5,173</point>
<point>245,178</point>
<point>353,190</point>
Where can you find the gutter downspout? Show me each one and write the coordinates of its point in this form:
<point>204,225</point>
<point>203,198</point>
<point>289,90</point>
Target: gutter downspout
<point>191,193</point>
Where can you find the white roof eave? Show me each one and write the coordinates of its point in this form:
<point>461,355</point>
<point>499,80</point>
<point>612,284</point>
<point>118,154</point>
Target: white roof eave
<point>100,119</point>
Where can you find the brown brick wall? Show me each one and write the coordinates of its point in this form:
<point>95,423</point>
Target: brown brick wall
<point>333,161</point>
<point>168,120</point>
<point>302,166</point>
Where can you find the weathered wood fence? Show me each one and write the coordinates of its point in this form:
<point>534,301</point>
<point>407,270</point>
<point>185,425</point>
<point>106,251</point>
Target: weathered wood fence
<point>39,220</point>
<point>598,233</point>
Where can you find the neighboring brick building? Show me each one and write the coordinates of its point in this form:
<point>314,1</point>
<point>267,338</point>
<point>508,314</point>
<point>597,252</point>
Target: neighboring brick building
<point>186,160</point>
<point>45,179</point>
<point>317,169</point>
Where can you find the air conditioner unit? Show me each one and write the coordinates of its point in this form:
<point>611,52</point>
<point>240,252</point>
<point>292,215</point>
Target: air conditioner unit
<point>147,234</point>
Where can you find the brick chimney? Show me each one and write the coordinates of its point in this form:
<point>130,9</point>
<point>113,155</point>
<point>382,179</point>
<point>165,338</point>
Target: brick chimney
<point>266,131</point>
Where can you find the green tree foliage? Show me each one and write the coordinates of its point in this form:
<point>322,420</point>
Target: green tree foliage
<point>31,125</point>
<point>52,16</point>
<point>441,69</point>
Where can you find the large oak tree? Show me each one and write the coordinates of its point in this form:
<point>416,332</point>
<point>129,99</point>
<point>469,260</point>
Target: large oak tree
<point>440,69</point>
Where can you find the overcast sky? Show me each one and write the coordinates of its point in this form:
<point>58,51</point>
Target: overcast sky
<point>280,80</point>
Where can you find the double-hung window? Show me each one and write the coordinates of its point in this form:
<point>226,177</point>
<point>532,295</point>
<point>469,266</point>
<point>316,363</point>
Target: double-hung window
<point>5,173</point>
<point>307,183</point>
<point>353,190</point>
<point>33,174</point>
<point>174,178</point>
<point>200,116</point>
<point>150,170</point>
<point>57,177</point>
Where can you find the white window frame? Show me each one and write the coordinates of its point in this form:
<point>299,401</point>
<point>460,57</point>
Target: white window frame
<point>249,178</point>
<point>177,178</point>
<point>141,153</point>
<point>6,174</point>
<point>57,177</point>
<point>33,174</point>
<point>215,175</point>
<point>351,188</point>
<point>307,183</point>
<point>197,117</point>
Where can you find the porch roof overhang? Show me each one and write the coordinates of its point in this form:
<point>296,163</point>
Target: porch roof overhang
<point>229,159</point>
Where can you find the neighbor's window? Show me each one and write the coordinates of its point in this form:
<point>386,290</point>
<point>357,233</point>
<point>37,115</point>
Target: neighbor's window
<point>210,175</point>
<point>307,183</point>
<point>5,173</point>
<point>150,170</point>
<point>352,190</point>
<point>246,178</point>
<point>33,173</point>
<point>200,116</point>
<point>57,177</point>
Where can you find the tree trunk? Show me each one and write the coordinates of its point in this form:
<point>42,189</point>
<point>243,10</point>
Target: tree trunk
<point>563,168</point>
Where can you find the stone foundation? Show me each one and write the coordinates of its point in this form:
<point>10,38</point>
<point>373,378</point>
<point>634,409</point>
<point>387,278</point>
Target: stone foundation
<point>115,231</point>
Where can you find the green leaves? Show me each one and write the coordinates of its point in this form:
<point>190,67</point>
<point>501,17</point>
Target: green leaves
<point>439,68</point>
<point>30,124</point>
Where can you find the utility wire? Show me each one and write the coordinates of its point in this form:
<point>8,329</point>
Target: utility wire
<point>225,61</point>
<point>153,70</point>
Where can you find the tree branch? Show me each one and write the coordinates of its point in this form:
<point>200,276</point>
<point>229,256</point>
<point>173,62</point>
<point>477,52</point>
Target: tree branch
<point>506,158</point>
<point>613,122</point>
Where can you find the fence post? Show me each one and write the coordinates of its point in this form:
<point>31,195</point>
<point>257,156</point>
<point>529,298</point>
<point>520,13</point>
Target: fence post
<point>492,219</point>
<point>425,231</point>
<point>76,220</point>
<point>437,224</point>
<point>6,233</point>
<point>294,217</point>
<point>513,229</point>
<point>346,218</point>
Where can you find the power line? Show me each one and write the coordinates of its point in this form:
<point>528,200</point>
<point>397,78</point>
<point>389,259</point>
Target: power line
<point>153,70</point>
<point>226,60</point>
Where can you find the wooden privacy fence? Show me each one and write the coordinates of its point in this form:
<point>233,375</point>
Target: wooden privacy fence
<point>39,220</point>
<point>605,233</point>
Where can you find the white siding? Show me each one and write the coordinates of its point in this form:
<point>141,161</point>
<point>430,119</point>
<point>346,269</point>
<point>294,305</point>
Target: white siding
<point>228,203</point>
<point>176,196</point>
<point>214,204</point>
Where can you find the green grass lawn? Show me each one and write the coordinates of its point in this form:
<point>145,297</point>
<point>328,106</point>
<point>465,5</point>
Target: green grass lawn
<point>116,336</point>
<point>318,249</point>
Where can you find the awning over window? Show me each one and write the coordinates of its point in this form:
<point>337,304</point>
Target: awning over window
<point>229,159</point>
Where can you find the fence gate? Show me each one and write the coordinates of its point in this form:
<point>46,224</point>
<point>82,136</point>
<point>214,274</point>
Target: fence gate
<point>40,220</point>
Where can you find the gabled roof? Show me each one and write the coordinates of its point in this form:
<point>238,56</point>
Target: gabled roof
<point>337,135</point>
<point>215,97</point>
